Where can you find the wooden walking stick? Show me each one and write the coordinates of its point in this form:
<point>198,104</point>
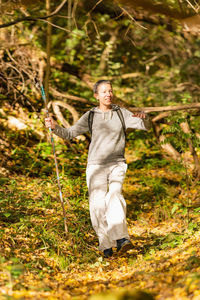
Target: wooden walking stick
<point>39,85</point>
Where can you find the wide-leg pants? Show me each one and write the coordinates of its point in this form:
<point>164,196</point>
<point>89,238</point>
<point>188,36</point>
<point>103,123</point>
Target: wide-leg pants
<point>107,204</point>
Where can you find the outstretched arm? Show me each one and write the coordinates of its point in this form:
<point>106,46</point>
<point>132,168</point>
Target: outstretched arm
<point>138,120</point>
<point>68,133</point>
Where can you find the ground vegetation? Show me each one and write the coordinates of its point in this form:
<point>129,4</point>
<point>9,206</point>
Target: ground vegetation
<point>150,51</point>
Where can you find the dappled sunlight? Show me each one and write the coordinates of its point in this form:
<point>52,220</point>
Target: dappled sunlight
<point>149,51</point>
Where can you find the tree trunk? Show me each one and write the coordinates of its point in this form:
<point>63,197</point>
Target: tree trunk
<point>107,50</point>
<point>167,147</point>
<point>186,129</point>
<point>69,14</point>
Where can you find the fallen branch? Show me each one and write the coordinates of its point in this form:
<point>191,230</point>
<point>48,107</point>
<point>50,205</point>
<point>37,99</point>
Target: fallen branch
<point>160,116</point>
<point>70,108</point>
<point>67,96</point>
<point>166,108</point>
<point>167,147</point>
<point>59,115</point>
<point>123,76</point>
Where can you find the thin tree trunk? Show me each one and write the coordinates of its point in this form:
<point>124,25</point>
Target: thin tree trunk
<point>69,14</point>
<point>167,147</point>
<point>186,129</point>
<point>107,50</point>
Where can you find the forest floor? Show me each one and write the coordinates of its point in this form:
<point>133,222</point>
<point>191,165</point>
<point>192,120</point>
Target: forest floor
<point>37,261</point>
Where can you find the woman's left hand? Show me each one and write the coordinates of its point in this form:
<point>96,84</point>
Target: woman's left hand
<point>139,114</point>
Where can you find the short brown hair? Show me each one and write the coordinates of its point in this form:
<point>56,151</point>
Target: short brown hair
<point>98,83</point>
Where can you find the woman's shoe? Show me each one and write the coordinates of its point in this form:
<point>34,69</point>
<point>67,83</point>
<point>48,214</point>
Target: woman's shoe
<point>124,245</point>
<point>108,252</point>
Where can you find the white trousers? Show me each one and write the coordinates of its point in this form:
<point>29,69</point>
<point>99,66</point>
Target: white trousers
<point>107,204</point>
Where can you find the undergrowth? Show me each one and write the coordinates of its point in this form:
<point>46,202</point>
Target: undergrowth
<point>33,241</point>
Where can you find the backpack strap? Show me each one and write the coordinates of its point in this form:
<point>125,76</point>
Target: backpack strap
<point>121,117</point>
<point>90,120</point>
<point>119,113</point>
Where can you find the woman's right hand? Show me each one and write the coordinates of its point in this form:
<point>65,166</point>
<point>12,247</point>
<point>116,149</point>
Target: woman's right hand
<point>49,123</point>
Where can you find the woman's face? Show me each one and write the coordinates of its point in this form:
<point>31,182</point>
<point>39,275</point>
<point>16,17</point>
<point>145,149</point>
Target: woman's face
<point>104,94</point>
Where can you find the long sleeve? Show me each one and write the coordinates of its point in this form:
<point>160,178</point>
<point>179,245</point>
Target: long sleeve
<point>134,122</point>
<point>79,128</point>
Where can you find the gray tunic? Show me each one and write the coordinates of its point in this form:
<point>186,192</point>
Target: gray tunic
<point>108,139</point>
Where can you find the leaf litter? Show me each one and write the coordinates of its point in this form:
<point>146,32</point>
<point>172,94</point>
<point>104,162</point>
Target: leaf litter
<point>38,262</point>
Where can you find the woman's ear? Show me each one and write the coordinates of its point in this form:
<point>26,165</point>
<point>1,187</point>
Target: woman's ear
<point>96,96</point>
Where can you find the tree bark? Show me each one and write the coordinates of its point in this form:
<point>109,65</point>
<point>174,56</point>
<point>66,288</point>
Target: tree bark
<point>167,147</point>
<point>69,14</point>
<point>107,50</point>
<point>166,108</point>
<point>186,129</point>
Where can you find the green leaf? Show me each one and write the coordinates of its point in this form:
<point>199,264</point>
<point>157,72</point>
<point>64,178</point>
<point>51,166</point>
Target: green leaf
<point>7,215</point>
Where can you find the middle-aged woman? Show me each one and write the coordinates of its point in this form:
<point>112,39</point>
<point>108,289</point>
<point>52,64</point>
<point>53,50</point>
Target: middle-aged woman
<point>106,165</point>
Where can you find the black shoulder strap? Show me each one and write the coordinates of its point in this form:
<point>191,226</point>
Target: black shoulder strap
<point>119,113</point>
<point>90,120</point>
<point>121,117</point>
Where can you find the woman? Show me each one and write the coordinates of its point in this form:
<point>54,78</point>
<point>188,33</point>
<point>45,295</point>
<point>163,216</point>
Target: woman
<point>106,166</point>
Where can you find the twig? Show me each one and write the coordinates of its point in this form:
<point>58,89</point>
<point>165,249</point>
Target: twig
<point>95,27</point>
<point>22,94</point>
<point>131,17</point>
<point>16,63</point>
<point>59,27</point>
<point>18,71</point>
<point>34,18</point>
<point>94,6</point>
<point>196,11</point>
<point>58,8</point>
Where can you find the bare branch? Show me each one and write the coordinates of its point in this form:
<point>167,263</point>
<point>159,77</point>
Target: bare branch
<point>34,18</point>
<point>131,17</point>
<point>70,108</point>
<point>95,6</point>
<point>95,27</point>
<point>59,115</point>
<point>54,25</point>
<point>167,147</point>
<point>166,108</point>
<point>190,4</point>
<point>123,76</point>
<point>71,97</point>
<point>160,116</point>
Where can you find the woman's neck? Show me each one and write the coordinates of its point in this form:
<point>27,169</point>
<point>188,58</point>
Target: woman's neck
<point>105,108</point>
